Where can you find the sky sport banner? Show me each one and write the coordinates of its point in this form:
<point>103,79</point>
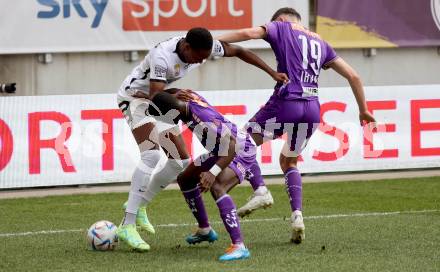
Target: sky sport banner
<point>83,139</point>
<point>379,23</point>
<point>48,26</point>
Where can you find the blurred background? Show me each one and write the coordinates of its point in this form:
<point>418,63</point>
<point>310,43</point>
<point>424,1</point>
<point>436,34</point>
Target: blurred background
<point>54,48</point>
<point>49,48</point>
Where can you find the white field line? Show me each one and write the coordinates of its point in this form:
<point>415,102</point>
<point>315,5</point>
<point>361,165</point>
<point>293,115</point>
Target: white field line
<point>313,217</point>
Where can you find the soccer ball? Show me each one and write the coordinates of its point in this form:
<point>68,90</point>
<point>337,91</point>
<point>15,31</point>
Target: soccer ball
<point>102,236</point>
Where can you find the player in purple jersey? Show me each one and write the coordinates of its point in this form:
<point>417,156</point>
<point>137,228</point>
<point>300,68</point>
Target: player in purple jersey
<point>231,158</point>
<point>294,107</point>
<point>168,62</point>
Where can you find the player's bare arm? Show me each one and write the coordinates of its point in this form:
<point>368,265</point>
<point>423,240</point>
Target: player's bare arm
<point>244,34</point>
<point>345,70</point>
<point>249,57</point>
<point>208,178</point>
<point>156,86</point>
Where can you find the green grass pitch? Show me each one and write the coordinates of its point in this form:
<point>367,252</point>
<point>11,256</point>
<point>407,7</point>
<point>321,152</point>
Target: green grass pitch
<point>363,235</point>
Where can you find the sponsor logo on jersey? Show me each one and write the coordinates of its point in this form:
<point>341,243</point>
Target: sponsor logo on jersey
<point>160,71</point>
<point>173,15</point>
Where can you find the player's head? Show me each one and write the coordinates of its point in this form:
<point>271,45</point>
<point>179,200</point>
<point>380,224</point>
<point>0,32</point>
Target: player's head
<point>197,46</point>
<point>286,15</point>
<point>166,107</point>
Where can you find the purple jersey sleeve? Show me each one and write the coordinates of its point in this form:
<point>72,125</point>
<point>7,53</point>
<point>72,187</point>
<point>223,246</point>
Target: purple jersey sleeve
<point>272,33</point>
<point>330,55</point>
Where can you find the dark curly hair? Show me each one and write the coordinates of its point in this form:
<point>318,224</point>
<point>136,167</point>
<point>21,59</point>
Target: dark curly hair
<point>199,38</point>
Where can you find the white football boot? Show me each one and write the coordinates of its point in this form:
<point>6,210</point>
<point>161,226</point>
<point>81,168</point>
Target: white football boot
<point>298,228</point>
<point>255,202</point>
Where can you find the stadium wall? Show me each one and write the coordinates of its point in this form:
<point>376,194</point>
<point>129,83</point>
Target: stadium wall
<point>83,139</point>
<point>82,73</point>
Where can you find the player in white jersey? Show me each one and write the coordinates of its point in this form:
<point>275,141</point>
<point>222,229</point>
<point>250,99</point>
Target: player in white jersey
<point>167,62</point>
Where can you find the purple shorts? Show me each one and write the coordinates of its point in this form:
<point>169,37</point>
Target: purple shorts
<point>242,165</point>
<point>297,118</point>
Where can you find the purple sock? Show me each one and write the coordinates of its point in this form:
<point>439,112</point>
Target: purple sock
<point>195,203</point>
<point>256,180</point>
<point>294,188</point>
<point>228,213</point>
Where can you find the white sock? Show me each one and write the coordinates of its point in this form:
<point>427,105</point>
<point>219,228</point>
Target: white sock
<point>139,183</point>
<point>165,176</point>
<point>241,245</point>
<point>204,231</point>
<point>129,218</point>
<point>262,190</point>
<point>296,212</point>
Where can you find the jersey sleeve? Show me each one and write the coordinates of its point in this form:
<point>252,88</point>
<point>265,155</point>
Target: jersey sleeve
<point>158,66</point>
<point>330,55</point>
<point>217,49</point>
<point>272,32</point>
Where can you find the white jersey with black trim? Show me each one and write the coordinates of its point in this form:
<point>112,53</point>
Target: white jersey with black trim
<point>163,64</point>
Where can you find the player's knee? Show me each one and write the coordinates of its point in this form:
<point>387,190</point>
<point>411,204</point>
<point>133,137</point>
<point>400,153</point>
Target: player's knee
<point>287,162</point>
<point>186,182</point>
<point>179,179</point>
<point>149,160</point>
<point>217,190</point>
<point>178,165</point>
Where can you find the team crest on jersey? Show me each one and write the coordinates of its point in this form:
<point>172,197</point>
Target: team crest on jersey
<point>177,69</point>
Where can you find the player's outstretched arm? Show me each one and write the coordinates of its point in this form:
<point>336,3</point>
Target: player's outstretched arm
<point>156,87</point>
<point>246,55</point>
<point>208,178</point>
<point>345,70</point>
<point>243,35</point>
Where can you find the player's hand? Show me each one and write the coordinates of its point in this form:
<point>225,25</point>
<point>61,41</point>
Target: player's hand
<point>366,118</point>
<point>280,77</point>
<point>185,95</point>
<point>206,181</point>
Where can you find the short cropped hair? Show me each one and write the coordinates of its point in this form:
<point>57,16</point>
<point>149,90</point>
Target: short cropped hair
<point>199,38</point>
<point>163,102</point>
<point>287,11</point>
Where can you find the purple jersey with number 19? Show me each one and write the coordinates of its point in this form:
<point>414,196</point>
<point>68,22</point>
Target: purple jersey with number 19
<point>300,54</point>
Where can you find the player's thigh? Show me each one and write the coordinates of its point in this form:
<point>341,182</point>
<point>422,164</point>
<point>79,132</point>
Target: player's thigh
<point>299,127</point>
<point>142,125</point>
<point>146,137</point>
<point>173,144</point>
<point>224,182</point>
<point>263,125</point>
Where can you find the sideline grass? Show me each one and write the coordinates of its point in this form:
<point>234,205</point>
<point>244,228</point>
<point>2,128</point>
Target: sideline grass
<point>400,242</point>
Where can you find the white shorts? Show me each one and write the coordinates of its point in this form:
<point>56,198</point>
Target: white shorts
<point>135,111</point>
